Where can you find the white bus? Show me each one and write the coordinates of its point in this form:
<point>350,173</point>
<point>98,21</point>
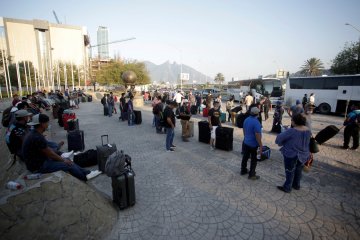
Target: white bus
<point>331,92</point>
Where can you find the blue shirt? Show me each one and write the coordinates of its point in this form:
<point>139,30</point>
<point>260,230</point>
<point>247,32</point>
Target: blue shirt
<point>251,126</point>
<point>294,143</point>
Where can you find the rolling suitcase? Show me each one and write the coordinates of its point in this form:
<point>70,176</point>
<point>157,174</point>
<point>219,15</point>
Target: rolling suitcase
<point>123,189</point>
<point>205,112</point>
<point>204,132</point>
<point>83,99</point>
<point>240,119</point>
<point>224,138</point>
<point>193,110</point>
<point>89,98</point>
<point>104,151</point>
<point>60,119</point>
<point>138,118</point>
<point>223,117</point>
<point>76,140</point>
<point>73,124</point>
<point>67,116</point>
<point>326,134</point>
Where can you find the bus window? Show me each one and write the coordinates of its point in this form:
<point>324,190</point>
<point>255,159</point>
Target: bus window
<point>331,83</point>
<point>314,83</point>
<point>296,83</point>
<point>345,81</point>
<point>356,81</point>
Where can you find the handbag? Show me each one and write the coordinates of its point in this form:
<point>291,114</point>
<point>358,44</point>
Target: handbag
<point>313,145</point>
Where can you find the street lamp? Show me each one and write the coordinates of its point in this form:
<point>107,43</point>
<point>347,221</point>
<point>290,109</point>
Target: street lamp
<point>348,24</point>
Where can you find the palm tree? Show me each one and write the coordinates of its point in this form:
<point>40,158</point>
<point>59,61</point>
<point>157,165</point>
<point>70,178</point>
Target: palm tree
<point>312,67</point>
<point>219,78</point>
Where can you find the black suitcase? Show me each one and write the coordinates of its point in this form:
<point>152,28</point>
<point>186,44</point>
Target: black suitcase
<point>60,119</point>
<point>73,124</point>
<point>76,140</point>
<point>326,134</point>
<point>86,159</point>
<point>104,151</point>
<point>89,98</point>
<point>224,138</point>
<point>138,118</point>
<point>123,189</point>
<point>193,110</point>
<point>204,132</point>
<point>55,109</point>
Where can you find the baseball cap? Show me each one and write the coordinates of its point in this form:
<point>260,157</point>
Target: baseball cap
<point>298,102</point>
<point>22,113</point>
<point>38,118</point>
<point>254,111</point>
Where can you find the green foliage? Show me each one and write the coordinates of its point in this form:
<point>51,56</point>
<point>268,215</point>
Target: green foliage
<point>312,67</point>
<point>219,78</point>
<point>111,73</point>
<point>348,60</point>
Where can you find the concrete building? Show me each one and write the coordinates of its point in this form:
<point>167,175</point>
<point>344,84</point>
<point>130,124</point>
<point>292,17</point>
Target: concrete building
<point>102,41</point>
<point>46,45</point>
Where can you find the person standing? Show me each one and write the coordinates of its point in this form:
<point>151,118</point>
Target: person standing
<point>304,100</point>
<point>278,114</point>
<point>122,102</point>
<point>248,101</point>
<point>178,98</point>
<point>115,101</point>
<point>105,104</point>
<point>267,107</point>
<point>214,122</point>
<point>169,117</point>
<point>130,111</point>
<point>229,106</point>
<point>312,102</point>
<point>158,113</point>
<point>252,141</point>
<point>198,102</point>
<point>294,144</point>
<point>352,126</point>
<point>111,103</point>
<point>185,125</point>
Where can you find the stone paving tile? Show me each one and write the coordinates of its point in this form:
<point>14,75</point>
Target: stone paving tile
<point>193,193</point>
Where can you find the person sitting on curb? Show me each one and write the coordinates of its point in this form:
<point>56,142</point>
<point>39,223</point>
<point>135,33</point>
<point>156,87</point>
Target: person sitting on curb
<point>39,157</point>
<point>252,140</point>
<point>214,122</point>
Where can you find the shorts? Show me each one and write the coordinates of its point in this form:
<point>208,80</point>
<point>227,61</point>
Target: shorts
<point>213,132</point>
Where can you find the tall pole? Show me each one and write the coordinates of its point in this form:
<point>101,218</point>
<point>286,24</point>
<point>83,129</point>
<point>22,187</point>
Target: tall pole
<point>29,72</point>
<point>5,73</point>
<point>72,76</point>
<point>26,78</point>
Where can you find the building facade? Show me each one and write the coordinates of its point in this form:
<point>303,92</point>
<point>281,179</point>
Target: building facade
<point>102,43</point>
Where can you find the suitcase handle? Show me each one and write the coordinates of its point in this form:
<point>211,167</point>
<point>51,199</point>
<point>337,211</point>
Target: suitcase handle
<point>102,139</point>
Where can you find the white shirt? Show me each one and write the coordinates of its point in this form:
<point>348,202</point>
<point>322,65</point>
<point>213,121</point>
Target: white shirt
<point>249,100</point>
<point>178,97</point>
<point>312,100</point>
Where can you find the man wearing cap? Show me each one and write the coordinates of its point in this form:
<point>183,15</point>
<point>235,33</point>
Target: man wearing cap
<point>16,133</point>
<point>252,140</point>
<point>295,109</point>
<point>169,117</point>
<point>184,111</point>
<point>214,122</point>
<point>39,157</point>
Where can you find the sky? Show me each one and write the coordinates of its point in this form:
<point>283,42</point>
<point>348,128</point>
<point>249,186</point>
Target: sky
<point>240,39</point>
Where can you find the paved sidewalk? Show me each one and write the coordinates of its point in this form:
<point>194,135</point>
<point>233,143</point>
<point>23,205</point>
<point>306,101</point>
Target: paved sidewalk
<point>193,193</point>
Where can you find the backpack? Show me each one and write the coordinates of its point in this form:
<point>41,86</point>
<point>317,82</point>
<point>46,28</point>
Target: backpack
<point>5,121</point>
<point>117,163</point>
<point>86,159</point>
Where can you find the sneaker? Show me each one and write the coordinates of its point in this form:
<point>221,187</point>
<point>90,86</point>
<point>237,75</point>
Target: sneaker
<point>244,172</point>
<point>170,150</point>
<point>173,146</point>
<point>344,147</point>
<point>354,148</point>
<point>255,177</point>
<point>212,148</point>
<point>281,188</point>
<point>68,155</point>
<point>93,174</point>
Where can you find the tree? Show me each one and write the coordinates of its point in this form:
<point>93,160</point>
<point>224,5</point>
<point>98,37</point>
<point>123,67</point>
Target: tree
<point>219,78</point>
<point>348,60</point>
<point>312,67</point>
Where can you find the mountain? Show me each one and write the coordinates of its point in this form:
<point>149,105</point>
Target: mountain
<point>169,72</point>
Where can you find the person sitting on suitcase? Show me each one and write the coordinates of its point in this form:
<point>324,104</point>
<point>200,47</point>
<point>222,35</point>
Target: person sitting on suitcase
<point>352,124</point>
<point>39,157</point>
<point>184,111</point>
<point>252,141</point>
<point>214,122</point>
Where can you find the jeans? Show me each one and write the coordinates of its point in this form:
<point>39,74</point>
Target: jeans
<point>50,166</point>
<point>247,150</point>
<point>293,171</point>
<point>229,116</point>
<point>157,124</point>
<point>170,133</point>
<point>110,110</point>
<point>131,118</point>
<point>351,130</point>
<point>153,122</point>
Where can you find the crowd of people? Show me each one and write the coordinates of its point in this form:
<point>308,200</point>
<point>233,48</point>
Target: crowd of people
<point>26,140</point>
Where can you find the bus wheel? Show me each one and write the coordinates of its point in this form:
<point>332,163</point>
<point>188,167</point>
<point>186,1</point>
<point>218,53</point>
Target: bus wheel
<point>324,108</point>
